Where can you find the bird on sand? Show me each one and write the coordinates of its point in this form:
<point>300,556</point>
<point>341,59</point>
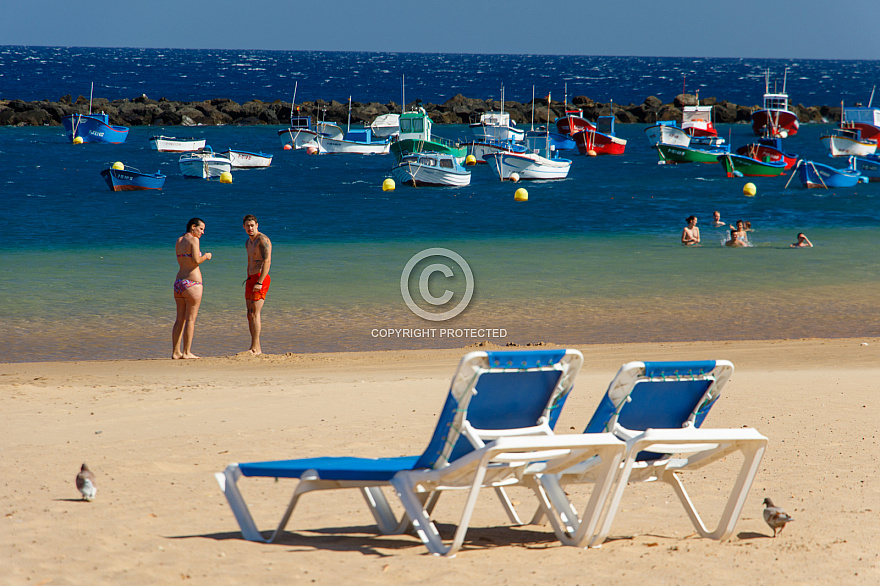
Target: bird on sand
<point>775,516</point>
<point>85,483</point>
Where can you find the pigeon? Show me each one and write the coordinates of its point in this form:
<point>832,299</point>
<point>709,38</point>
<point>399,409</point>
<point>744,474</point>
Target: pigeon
<point>775,516</point>
<point>85,483</point>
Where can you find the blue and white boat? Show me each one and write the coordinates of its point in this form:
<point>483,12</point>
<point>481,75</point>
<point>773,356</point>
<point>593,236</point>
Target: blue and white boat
<point>204,164</point>
<point>479,149</point>
<point>359,141</point>
<point>122,178</point>
<point>247,159</point>
<point>812,175</point>
<point>431,168</point>
<point>93,128</point>
<point>868,167</point>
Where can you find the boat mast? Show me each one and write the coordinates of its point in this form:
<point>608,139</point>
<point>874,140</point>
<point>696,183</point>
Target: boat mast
<point>91,93</point>
<point>293,103</point>
<point>872,96</point>
<point>533,106</point>
<point>348,128</point>
<point>403,93</point>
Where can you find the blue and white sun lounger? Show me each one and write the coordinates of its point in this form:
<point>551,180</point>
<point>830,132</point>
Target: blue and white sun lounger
<point>657,409</point>
<point>497,421</point>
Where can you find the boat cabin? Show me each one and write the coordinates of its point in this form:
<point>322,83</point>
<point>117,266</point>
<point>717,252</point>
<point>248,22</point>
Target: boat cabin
<point>415,125</point>
<point>605,125</point>
<point>776,101</point>
<point>858,114</point>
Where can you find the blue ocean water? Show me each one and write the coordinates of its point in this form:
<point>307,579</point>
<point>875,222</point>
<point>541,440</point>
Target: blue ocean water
<point>594,258</point>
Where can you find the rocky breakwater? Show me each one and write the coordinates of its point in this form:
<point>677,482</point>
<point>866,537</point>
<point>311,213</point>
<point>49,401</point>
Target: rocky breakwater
<point>144,111</point>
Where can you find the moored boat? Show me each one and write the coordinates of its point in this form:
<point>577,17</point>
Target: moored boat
<point>415,136</point>
<point>496,126</point>
<point>247,159</point>
<point>847,141</point>
<point>739,166</point>
<point>697,121</point>
<point>529,165</point>
<point>864,118</point>
<point>358,142</point>
<point>122,178</point>
<point>535,139</point>
<point>93,128</point>
<point>868,167</point>
<point>812,175</point>
<point>386,125</point>
<point>667,132</point>
<point>431,168</point>
<point>768,149</point>
<point>301,132</point>
<point>775,119</point>
<point>203,164</point>
<point>673,153</point>
<point>171,144</point>
<point>601,140</point>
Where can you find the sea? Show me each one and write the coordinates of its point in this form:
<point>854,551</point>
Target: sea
<point>595,258</point>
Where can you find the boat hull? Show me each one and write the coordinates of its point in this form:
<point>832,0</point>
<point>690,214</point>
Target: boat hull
<point>204,167</point>
<point>300,137</point>
<point>93,128</point>
<point>571,124</point>
<point>767,153</point>
<point>867,167</point>
<point>816,175</point>
<point>409,145</point>
<point>528,166</point>
<point>674,154</point>
<point>775,123</point>
<point>132,180</point>
<point>667,134</point>
<point>167,144</point>
<point>738,165</point>
<point>336,145</point>
<point>418,175</point>
<point>247,160</point>
<point>846,146</point>
<point>599,142</point>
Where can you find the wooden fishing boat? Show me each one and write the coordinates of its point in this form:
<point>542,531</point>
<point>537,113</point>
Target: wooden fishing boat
<point>813,175</point>
<point>171,144</point>
<point>775,119</point>
<point>740,166</point>
<point>123,178</point>
<point>768,149</point>
<point>670,154</point>
<point>415,137</point>
<point>431,168</point>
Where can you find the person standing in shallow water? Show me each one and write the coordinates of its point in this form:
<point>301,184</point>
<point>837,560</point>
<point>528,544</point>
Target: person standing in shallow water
<point>188,288</point>
<point>690,236</point>
<point>259,255</point>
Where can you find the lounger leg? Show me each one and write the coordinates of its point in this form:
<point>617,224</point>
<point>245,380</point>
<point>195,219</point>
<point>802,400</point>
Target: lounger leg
<point>381,510</point>
<point>508,506</point>
<point>228,480</point>
<point>752,455</point>
<point>421,521</point>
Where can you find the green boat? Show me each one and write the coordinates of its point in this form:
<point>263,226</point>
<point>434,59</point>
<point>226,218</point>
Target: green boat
<point>740,166</point>
<point>415,137</point>
<point>670,154</point>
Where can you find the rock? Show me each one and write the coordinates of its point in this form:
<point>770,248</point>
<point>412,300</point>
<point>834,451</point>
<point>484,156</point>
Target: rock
<point>682,100</point>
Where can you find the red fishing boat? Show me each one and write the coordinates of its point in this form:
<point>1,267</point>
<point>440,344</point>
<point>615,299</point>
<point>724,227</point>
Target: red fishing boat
<point>775,119</point>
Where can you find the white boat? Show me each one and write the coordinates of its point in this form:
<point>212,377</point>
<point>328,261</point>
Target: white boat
<point>301,133</point>
<point>697,121</point>
<point>496,126</point>
<point>847,141</point>
<point>171,144</point>
<point>536,164</point>
<point>431,168</point>
<point>247,159</point>
<point>386,125</point>
<point>359,142</point>
<point>204,164</point>
<point>668,133</point>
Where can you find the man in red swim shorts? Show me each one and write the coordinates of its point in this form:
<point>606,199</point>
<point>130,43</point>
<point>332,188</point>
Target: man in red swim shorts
<point>259,254</point>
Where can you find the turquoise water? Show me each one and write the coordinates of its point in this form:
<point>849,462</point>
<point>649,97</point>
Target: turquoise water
<point>595,258</point>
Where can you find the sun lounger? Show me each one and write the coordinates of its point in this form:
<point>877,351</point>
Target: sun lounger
<point>657,409</point>
<point>497,421</point>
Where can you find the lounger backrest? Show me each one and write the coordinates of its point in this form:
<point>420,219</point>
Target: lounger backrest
<point>660,395</point>
<point>495,391</point>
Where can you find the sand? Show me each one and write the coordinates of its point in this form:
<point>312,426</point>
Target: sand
<point>155,431</point>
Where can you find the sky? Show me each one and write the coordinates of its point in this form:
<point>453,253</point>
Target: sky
<point>783,29</point>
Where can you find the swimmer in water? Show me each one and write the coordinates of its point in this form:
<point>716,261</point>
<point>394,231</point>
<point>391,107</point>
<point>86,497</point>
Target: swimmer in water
<point>802,242</point>
<point>690,235</point>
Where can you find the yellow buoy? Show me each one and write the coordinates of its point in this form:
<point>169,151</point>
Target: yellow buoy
<point>77,140</point>
<point>388,185</point>
<point>514,177</point>
<point>225,177</point>
<point>749,190</point>
<point>470,160</point>
<point>521,195</point>
<point>118,166</point>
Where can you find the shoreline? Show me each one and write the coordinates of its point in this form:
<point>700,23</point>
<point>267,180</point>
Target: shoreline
<point>155,431</point>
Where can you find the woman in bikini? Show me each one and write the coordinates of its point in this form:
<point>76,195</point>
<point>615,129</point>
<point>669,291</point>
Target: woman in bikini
<point>188,288</point>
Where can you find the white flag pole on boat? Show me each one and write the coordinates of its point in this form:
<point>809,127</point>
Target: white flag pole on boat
<point>91,93</point>
<point>293,103</point>
<point>348,129</point>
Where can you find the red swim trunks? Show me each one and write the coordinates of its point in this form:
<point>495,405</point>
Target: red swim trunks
<point>249,292</point>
